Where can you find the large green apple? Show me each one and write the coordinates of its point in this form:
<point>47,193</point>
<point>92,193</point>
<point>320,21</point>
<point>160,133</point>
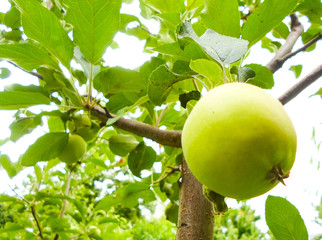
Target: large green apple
<point>74,150</point>
<point>239,141</point>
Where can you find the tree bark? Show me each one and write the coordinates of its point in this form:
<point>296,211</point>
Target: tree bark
<point>196,216</point>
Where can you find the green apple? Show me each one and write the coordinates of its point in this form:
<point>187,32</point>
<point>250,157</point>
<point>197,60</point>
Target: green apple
<point>239,141</point>
<point>94,231</point>
<point>83,125</point>
<point>74,150</point>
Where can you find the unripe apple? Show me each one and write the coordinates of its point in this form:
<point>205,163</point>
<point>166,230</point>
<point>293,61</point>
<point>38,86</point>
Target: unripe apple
<point>74,150</point>
<point>239,141</point>
<point>83,125</point>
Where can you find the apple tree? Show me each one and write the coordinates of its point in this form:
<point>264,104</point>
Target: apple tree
<point>128,122</point>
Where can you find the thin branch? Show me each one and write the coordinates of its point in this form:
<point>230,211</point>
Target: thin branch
<point>67,188</point>
<point>308,44</point>
<point>33,212</point>
<point>301,85</point>
<point>29,72</point>
<point>165,137</point>
<point>296,31</point>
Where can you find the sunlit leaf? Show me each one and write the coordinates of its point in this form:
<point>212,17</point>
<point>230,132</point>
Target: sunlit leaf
<point>222,16</point>
<point>263,76</point>
<point>223,49</point>
<point>284,220</point>
<point>43,26</point>
<point>45,148</point>
<point>122,144</point>
<point>8,165</point>
<point>28,56</point>
<point>269,14</point>
<point>17,100</point>
<point>95,23</point>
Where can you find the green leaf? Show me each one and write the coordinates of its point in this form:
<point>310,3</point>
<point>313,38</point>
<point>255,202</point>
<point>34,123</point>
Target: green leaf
<point>117,79</point>
<point>263,76</point>
<point>25,88</point>
<point>171,212</point>
<point>166,5</point>
<point>22,127</point>
<point>11,227</point>
<point>95,22</point>
<point>270,45</point>
<point>284,220</point>
<point>223,17</point>
<point>245,73</point>
<point>45,148</point>
<point>43,26</point>
<point>8,166</point>
<point>318,93</point>
<point>312,9</point>
<point>13,35</point>
<point>121,100</point>
<point>6,198</point>
<point>208,69</point>
<point>4,73</point>
<point>281,31</point>
<point>12,18</point>
<point>133,191</point>
<point>106,203</point>
<point>142,157</point>
<point>17,100</point>
<point>38,173</point>
<point>297,69</point>
<point>269,14</point>
<point>223,49</point>
<point>186,97</point>
<point>121,144</point>
<point>160,84</point>
<point>28,56</point>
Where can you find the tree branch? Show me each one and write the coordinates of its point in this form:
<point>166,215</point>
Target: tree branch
<point>34,214</point>
<point>301,85</point>
<point>29,72</point>
<point>165,137</point>
<point>279,58</point>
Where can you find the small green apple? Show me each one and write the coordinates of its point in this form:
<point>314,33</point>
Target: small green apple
<point>74,150</point>
<point>83,125</point>
<point>239,141</point>
<point>94,231</point>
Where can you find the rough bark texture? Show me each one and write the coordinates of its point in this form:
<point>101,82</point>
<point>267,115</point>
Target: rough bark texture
<point>196,218</point>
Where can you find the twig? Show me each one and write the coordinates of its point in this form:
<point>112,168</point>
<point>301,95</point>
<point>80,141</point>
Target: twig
<point>301,85</point>
<point>308,44</point>
<point>33,212</point>
<point>159,118</point>
<point>296,31</point>
<point>67,188</point>
<point>29,72</point>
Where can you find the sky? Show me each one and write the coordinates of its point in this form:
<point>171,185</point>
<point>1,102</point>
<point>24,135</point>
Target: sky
<point>303,188</point>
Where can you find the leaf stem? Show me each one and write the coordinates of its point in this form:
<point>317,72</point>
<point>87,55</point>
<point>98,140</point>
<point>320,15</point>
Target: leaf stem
<point>90,86</point>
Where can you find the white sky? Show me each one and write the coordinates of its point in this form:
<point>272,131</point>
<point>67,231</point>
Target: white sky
<point>304,184</point>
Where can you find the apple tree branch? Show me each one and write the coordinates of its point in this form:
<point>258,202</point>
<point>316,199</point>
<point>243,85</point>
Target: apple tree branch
<point>279,58</point>
<point>301,85</point>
